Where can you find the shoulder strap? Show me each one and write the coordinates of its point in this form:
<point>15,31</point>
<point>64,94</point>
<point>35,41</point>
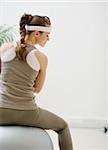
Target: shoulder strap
<point>28,48</point>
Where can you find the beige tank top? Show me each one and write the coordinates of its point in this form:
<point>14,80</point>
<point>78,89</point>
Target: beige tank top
<point>17,80</point>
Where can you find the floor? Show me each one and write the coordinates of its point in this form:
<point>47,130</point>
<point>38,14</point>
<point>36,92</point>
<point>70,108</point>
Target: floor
<point>84,139</point>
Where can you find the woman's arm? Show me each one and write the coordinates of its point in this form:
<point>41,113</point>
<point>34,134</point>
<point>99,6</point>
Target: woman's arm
<point>42,73</point>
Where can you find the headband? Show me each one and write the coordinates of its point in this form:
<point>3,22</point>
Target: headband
<point>38,28</point>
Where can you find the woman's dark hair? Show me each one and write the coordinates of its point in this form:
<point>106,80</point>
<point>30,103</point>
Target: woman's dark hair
<point>28,19</point>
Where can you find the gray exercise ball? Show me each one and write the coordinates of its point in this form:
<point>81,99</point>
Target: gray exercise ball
<point>24,138</point>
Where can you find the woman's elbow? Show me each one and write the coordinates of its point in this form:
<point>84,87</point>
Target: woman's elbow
<point>37,90</point>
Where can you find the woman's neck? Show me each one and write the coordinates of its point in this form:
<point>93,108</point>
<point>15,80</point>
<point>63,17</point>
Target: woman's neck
<point>29,41</point>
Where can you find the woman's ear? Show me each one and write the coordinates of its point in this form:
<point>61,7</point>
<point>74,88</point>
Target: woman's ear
<point>37,33</point>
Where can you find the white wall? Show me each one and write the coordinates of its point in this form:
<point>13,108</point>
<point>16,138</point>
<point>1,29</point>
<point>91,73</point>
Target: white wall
<point>75,85</point>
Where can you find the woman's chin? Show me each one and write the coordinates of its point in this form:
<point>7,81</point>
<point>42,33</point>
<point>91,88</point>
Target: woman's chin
<point>42,45</point>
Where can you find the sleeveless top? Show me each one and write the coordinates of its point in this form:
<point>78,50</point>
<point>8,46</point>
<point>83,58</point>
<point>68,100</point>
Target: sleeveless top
<point>17,80</point>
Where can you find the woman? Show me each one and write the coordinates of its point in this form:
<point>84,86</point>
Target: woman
<point>23,73</point>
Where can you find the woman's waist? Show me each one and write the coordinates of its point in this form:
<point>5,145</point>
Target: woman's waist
<point>16,91</point>
<point>17,96</point>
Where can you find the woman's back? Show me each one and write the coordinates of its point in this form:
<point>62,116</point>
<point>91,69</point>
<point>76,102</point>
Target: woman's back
<point>17,79</point>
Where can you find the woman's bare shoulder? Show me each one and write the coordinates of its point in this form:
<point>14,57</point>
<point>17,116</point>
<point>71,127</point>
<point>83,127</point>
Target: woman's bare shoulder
<point>4,47</point>
<point>8,44</point>
<point>40,54</point>
<point>41,57</point>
